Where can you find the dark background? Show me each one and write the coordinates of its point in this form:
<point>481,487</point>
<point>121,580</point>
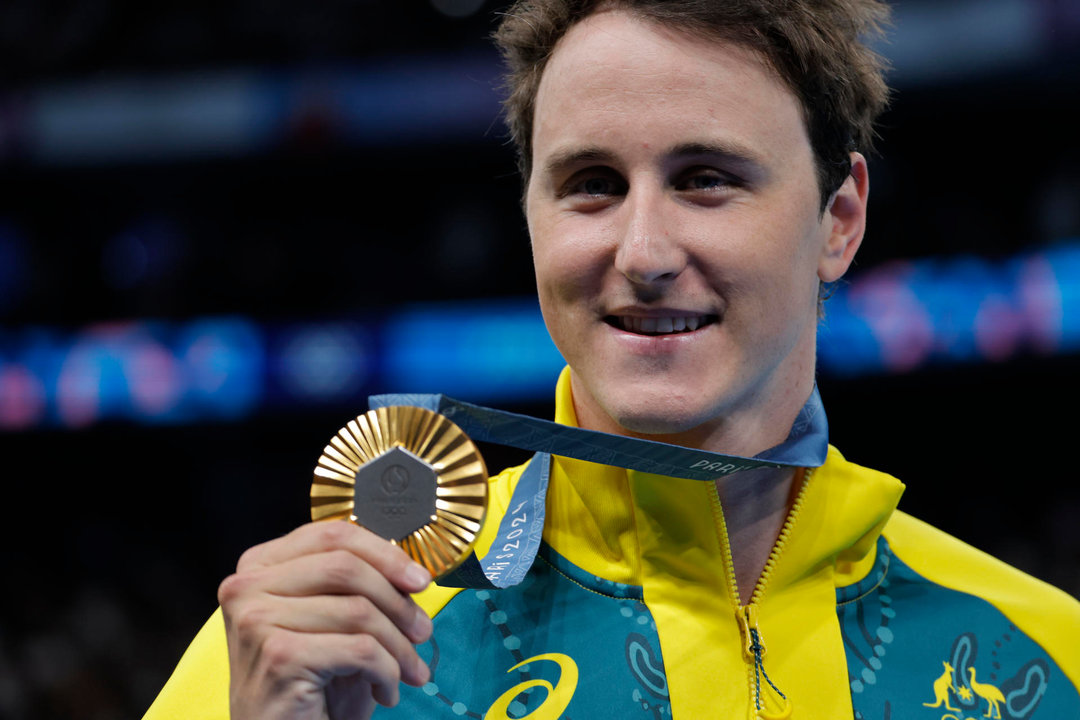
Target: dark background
<point>116,534</point>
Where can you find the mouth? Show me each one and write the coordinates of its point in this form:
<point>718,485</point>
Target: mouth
<point>667,325</point>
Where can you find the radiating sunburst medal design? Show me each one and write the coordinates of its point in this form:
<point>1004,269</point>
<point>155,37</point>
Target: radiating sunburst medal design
<point>411,476</point>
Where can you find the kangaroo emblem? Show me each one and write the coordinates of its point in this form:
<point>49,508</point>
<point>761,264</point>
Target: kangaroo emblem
<point>942,686</point>
<point>987,692</point>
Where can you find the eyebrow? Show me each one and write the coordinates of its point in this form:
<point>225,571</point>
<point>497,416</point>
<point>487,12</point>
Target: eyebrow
<point>744,159</point>
<point>741,157</point>
<point>564,159</point>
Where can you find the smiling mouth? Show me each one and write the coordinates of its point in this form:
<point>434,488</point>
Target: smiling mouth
<point>660,325</point>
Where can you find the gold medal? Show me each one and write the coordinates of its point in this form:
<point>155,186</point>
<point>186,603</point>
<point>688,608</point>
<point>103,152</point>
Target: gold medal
<point>409,475</point>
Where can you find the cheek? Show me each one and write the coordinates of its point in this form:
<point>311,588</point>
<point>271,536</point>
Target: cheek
<point>551,271</point>
<point>544,255</point>
<point>569,263</point>
<point>558,284</point>
<point>771,281</point>
<point>793,253</point>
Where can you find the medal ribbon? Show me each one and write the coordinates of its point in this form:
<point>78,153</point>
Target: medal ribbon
<point>520,531</point>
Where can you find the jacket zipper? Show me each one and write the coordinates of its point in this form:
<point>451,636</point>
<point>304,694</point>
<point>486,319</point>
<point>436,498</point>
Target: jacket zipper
<point>753,646</point>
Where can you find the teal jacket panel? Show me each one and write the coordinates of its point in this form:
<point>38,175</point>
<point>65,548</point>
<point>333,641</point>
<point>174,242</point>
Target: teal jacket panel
<point>918,650</point>
<point>562,644</point>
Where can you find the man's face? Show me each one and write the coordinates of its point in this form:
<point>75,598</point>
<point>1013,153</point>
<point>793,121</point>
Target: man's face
<point>677,234</point>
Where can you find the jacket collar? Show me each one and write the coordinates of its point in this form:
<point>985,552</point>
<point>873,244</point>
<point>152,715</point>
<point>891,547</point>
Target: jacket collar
<point>598,516</point>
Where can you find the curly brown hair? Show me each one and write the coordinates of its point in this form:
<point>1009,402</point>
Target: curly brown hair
<point>817,47</point>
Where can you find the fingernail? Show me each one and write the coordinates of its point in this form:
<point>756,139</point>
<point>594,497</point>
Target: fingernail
<point>422,671</point>
<point>417,576</point>
<point>421,626</point>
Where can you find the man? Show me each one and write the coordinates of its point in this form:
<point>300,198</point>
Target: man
<point>691,182</point>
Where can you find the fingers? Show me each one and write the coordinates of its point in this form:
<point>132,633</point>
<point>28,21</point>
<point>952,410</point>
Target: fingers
<point>325,616</point>
<point>351,614</point>
<point>288,657</point>
<point>313,538</point>
<point>334,573</point>
<point>322,619</point>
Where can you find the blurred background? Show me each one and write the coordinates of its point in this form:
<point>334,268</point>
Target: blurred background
<point>223,224</point>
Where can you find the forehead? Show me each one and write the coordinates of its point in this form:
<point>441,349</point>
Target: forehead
<point>619,80</point>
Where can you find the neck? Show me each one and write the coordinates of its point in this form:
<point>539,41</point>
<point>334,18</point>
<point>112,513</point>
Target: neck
<point>756,504</point>
<point>754,421</point>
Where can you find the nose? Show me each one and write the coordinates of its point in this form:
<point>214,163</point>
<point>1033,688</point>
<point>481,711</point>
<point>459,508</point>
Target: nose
<point>648,251</point>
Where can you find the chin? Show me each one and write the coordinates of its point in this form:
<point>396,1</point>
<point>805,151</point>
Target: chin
<point>667,418</point>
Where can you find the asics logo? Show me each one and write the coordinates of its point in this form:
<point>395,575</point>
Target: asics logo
<point>558,696</point>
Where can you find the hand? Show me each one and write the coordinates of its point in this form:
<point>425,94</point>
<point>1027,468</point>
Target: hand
<point>320,625</point>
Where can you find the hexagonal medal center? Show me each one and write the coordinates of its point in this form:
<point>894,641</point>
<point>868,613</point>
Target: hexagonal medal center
<point>395,494</point>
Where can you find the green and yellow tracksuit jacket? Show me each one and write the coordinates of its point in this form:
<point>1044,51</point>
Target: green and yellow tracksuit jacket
<point>631,611</point>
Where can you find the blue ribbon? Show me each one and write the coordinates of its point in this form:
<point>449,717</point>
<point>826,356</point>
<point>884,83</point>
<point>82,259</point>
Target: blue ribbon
<point>514,550</point>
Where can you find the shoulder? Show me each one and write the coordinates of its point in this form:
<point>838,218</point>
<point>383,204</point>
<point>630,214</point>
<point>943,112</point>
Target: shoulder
<point>1047,615</point>
<point>500,489</point>
<point>199,686</point>
<point>952,563</point>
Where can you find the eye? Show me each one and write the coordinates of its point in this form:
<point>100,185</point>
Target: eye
<point>595,183</point>
<point>597,186</point>
<point>705,179</point>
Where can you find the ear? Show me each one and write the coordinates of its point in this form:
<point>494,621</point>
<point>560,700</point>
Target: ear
<point>846,214</point>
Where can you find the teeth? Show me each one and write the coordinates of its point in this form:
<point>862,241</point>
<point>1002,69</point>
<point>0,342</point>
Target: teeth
<point>661,325</point>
